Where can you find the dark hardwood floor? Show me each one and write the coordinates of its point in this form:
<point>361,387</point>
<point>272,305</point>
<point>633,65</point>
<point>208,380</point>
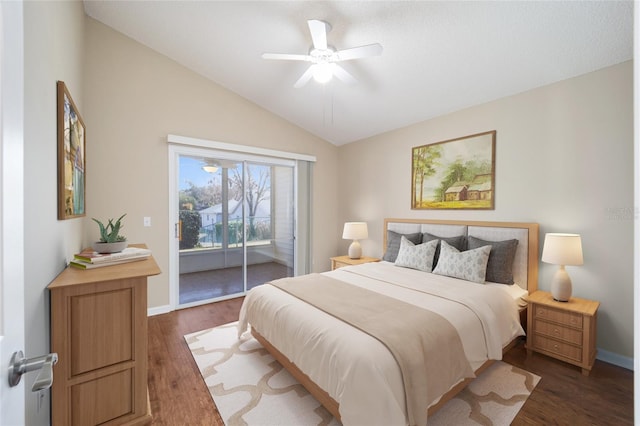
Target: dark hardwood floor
<point>214,283</point>
<point>177,391</point>
<point>564,396</point>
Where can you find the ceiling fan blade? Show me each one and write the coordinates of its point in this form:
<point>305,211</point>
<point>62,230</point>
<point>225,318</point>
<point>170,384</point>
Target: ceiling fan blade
<point>319,30</point>
<point>305,77</point>
<point>343,75</point>
<point>359,52</point>
<point>286,56</point>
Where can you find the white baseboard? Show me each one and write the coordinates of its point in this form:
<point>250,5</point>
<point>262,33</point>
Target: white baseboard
<point>615,359</point>
<point>158,310</point>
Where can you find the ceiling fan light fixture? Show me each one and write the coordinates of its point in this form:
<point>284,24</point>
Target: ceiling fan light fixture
<point>209,168</point>
<point>323,73</point>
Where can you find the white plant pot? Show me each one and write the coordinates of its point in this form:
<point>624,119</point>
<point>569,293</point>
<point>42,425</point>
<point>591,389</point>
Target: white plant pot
<point>110,247</point>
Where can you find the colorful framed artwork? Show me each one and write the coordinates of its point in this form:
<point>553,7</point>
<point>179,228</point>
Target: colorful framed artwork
<point>71,157</point>
<point>456,174</point>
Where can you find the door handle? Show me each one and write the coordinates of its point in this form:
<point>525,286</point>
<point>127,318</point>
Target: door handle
<point>20,365</point>
<point>178,230</point>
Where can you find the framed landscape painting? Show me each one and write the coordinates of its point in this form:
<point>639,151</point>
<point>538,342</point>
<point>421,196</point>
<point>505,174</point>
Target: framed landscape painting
<point>455,174</point>
<point>71,157</point>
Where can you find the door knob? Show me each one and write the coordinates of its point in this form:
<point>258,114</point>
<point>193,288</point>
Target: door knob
<point>20,365</point>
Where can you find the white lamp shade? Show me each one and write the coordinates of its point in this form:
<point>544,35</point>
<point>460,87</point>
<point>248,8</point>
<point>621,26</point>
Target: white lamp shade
<point>355,231</point>
<point>562,249</point>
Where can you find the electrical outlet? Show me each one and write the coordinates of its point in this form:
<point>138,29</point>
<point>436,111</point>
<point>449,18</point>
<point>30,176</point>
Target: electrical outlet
<point>147,221</point>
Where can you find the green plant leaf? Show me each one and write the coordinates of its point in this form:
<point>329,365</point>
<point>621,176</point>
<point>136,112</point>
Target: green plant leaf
<point>111,232</point>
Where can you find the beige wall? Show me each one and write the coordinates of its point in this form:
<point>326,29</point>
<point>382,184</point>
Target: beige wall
<point>564,159</point>
<point>134,97</point>
<point>53,50</point>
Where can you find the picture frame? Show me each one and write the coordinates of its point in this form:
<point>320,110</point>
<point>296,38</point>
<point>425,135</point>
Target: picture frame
<point>456,174</point>
<point>71,156</point>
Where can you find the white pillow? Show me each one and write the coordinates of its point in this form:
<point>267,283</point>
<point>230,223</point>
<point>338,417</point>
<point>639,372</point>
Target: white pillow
<point>470,265</point>
<point>416,256</point>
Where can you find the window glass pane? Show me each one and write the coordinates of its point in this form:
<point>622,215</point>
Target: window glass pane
<point>200,195</point>
<point>258,204</point>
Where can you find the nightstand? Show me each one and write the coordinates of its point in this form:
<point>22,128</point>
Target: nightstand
<point>340,261</point>
<point>563,330</point>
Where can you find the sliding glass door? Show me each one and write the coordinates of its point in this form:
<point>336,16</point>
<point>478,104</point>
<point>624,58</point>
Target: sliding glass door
<point>236,223</point>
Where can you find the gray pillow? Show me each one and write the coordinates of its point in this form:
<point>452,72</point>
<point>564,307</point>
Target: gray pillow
<point>500,265</point>
<point>393,244</point>
<point>457,242</point>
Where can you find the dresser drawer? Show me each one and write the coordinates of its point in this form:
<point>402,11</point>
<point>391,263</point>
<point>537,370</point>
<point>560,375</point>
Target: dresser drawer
<point>559,348</point>
<point>566,334</point>
<point>572,319</point>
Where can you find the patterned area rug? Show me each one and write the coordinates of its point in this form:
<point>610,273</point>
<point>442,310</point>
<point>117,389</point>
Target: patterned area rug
<point>250,388</point>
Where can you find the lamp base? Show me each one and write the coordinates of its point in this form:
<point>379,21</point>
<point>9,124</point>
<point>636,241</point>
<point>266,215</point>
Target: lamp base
<point>561,285</point>
<point>355,250</point>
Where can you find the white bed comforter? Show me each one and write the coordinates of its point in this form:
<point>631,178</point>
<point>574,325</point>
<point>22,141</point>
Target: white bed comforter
<point>356,369</point>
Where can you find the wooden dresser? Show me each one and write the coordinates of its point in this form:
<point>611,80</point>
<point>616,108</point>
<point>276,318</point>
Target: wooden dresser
<point>99,330</point>
<point>563,330</point>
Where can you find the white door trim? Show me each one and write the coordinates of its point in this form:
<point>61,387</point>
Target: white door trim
<point>12,321</point>
<point>245,149</point>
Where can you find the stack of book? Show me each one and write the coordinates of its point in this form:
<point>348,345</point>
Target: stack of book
<point>89,259</point>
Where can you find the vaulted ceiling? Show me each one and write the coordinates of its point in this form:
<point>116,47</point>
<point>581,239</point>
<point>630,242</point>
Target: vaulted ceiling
<point>438,56</point>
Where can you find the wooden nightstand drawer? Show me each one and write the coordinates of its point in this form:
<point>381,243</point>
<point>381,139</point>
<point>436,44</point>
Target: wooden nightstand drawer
<point>563,349</point>
<point>342,261</point>
<point>559,332</point>
<point>338,264</point>
<point>572,319</point>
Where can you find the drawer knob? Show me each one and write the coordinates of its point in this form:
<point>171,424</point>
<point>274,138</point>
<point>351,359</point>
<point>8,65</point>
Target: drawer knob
<point>556,331</point>
<point>556,347</point>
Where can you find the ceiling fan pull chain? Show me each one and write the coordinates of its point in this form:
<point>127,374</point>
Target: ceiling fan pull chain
<point>332,106</point>
<point>324,105</point>
<point>327,102</point>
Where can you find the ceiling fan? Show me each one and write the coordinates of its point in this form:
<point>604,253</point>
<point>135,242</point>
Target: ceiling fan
<point>212,166</point>
<point>324,58</point>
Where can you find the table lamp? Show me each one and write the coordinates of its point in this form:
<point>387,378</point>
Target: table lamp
<point>562,249</point>
<point>355,231</point>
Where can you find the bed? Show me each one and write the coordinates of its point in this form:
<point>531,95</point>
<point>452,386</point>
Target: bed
<point>348,354</point>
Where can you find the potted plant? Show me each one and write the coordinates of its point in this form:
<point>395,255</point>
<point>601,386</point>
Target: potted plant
<point>110,239</point>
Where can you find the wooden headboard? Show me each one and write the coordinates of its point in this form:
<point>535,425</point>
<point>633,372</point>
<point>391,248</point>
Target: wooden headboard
<point>525,265</point>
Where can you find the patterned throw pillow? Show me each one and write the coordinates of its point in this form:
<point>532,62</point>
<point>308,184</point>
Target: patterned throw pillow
<point>393,244</point>
<point>416,256</point>
<point>470,265</point>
